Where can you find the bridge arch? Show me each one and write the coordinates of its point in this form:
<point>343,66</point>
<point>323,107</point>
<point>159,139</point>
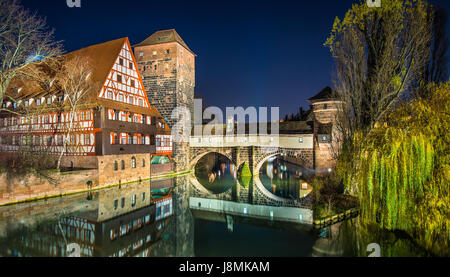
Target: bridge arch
<point>288,152</point>
<point>197,158</point>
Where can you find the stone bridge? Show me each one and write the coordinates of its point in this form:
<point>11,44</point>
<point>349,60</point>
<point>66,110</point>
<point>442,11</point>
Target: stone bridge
<point>255,150</point>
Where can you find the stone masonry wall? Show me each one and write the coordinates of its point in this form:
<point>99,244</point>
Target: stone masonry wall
<point>109,176</point>
<point>168,73</point>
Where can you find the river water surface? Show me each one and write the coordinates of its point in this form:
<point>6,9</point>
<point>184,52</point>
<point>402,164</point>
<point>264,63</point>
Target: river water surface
<point>158,219</point>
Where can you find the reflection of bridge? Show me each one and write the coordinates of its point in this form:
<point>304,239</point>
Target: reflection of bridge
<point>254,193</point>
<point>290,214</point>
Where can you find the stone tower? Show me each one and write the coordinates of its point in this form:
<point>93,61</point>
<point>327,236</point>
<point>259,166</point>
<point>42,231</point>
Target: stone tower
<point>167,67</point>
<point>325,107</point>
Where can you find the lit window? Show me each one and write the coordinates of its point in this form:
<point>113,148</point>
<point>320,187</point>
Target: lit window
<point>300,140</point>
<point>154,53</point>
<point>324,138</point>
<point>133,200</point>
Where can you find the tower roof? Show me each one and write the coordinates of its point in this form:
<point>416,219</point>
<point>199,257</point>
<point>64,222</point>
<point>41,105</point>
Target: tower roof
<point>164,36</point>
<point>324,94</point>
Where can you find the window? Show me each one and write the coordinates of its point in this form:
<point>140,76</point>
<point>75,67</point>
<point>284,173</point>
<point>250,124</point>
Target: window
<point>167,66</point>
<point>133,83</point>
<point>123,164</point>
<point>155,67</point>
<point>167,51</point>
<point>133,200</point>
<point>110,94</point>
<point>116,204</point>
<point>143,162</point>
<point>121,61</point>
<point>130,100</point>
<point>120,97</point>
<point>141,103</point>
<point>38,102</point>
<point>116,166</point>
<point>130,65</point>
<point>324,138</point>
<point>325,106</point>
<point>141,54</point>
<point>135,139</point>
<point>119,78</point>
<point>49,101</point>
<point>88,115</point>
<point>87,139</point>
<point>122,202</point>
<point>143,196</point>
<point>133,162</point>
<point>300,140</point>
<point>154,53</point>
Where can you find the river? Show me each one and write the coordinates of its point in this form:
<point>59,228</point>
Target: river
<point>165,218</point>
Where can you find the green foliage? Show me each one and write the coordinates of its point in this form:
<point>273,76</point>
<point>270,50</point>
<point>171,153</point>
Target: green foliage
<point>245,171</point>
<point>401,171</point>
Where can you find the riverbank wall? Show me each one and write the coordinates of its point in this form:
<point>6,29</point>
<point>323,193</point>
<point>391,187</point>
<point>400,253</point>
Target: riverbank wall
<point>54,183</point>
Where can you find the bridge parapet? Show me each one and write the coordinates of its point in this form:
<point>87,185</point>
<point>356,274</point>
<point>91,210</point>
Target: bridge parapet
<point>300,141</point>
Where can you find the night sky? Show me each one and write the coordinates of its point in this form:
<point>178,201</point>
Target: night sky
<point>250,53</point>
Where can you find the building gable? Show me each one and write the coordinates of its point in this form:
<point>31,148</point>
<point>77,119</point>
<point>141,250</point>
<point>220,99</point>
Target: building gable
<point>123,83</point>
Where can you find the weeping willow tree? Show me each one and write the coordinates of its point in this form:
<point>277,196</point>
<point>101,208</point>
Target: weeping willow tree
<point>401,171</point>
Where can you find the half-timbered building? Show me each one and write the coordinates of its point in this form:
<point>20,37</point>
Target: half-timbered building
<point>113,129</point>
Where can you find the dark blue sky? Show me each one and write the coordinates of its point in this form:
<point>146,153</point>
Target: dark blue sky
<point>250,53</point>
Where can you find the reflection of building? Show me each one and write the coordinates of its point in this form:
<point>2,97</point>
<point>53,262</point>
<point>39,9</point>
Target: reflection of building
<point>113,128</point>
<point>128,230</point>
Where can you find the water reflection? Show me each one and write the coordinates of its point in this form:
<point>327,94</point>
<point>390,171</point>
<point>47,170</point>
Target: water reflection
<point>216,173</point>
<point>285,179</point>
<point>116,222</point>
<point>163,219</point>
